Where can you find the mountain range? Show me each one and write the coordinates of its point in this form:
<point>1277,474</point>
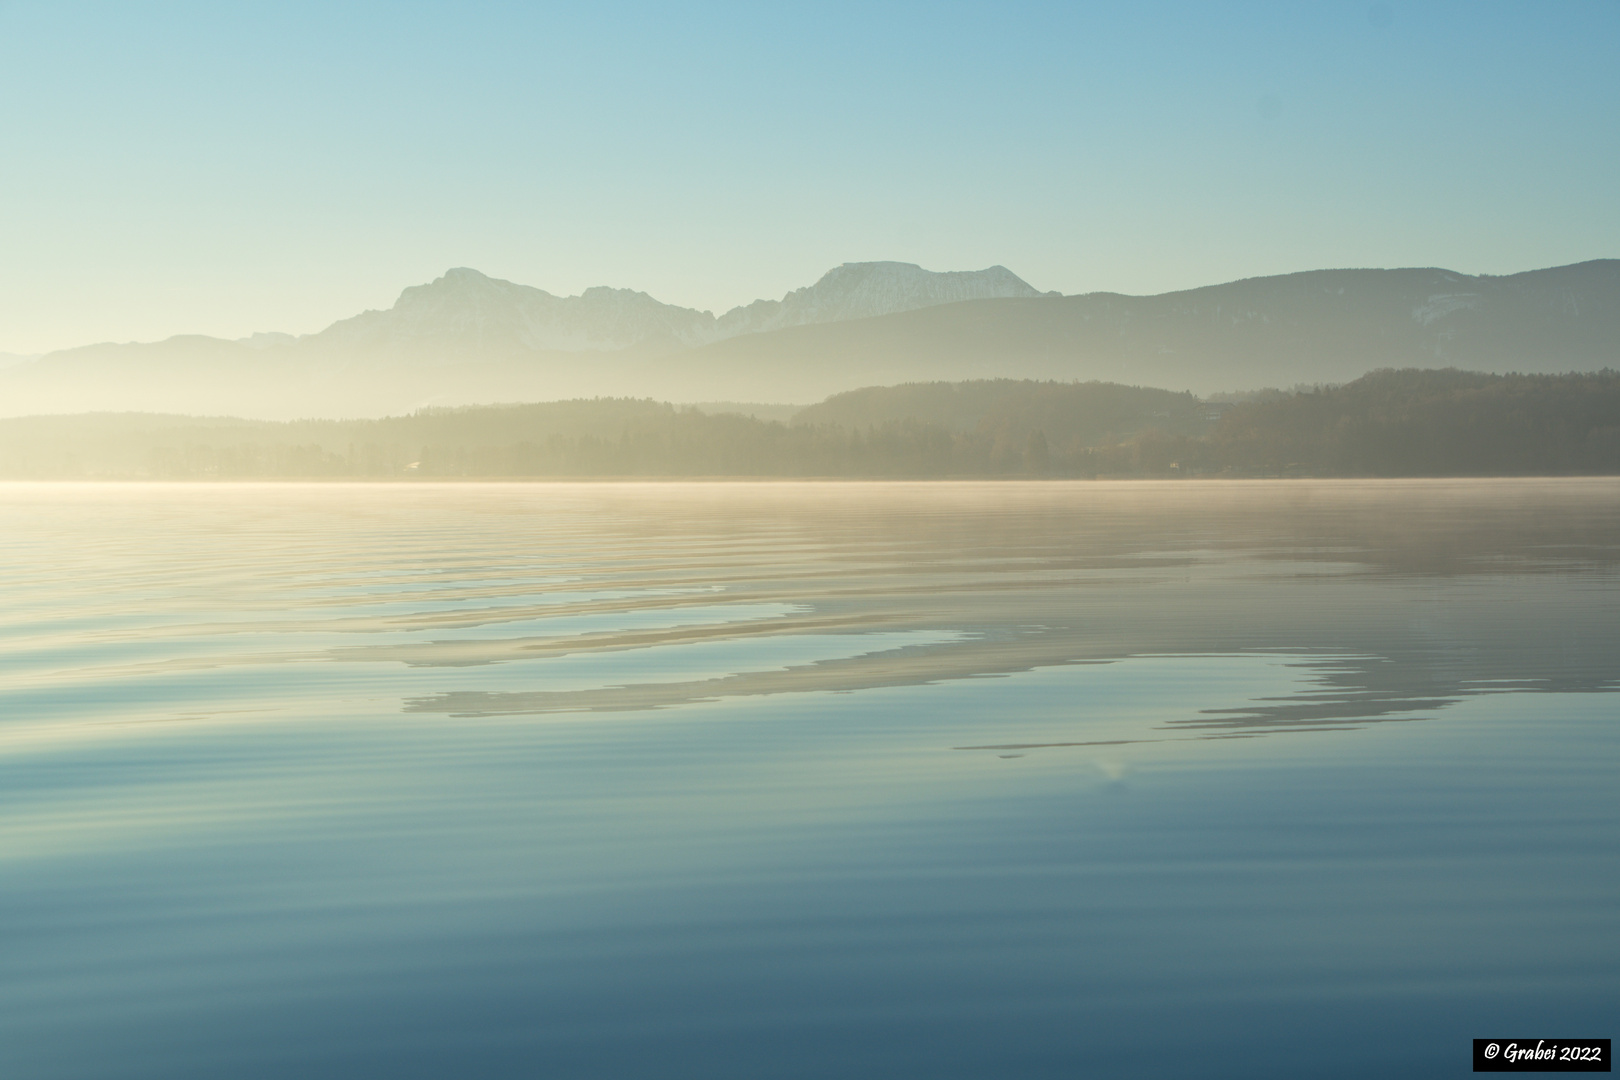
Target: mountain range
<point>465,313</point>
<point>467,338</point>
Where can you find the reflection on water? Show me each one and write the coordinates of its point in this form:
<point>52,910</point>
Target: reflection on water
<point>797,779</point>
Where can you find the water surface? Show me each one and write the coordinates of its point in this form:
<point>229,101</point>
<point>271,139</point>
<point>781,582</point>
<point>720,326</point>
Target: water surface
<point>1181,779</point>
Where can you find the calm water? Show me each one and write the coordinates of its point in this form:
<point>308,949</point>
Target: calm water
<point>936,780</point>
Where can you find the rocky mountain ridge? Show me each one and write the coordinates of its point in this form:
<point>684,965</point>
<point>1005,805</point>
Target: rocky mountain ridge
<point>866,290</point>
<point>469,339</point>
<point>468,312</point>
<point>1318,326</point>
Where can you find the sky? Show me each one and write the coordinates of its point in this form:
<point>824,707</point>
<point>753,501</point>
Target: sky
<point>224,168</point>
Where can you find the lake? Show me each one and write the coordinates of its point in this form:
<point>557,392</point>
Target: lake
<point>1306,778</point>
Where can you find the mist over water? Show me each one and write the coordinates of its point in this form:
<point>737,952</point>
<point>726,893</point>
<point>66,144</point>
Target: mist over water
<point>954,779</point>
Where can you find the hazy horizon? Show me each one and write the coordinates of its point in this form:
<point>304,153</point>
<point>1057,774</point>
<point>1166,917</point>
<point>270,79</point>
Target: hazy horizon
<point>13,357</point>
<point>468,339</point>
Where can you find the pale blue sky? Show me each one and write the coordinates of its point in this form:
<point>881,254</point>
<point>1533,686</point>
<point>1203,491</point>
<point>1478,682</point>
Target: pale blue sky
<point>224,168</point>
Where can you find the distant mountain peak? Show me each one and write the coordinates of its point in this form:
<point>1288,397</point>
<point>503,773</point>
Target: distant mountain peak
<point>859,290</point>
<point>458,280</point>
<point>465,311</point>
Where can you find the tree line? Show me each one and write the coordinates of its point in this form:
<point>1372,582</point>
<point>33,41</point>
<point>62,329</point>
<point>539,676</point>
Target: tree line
<point>1388,423</point>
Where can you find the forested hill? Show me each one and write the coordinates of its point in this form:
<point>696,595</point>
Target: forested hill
<point>1069,414</point>
<point>1427,423</point>
<point>1389,423</point>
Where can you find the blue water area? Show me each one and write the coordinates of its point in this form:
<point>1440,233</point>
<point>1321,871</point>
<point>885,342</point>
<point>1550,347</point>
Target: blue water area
<point>805,781</point>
